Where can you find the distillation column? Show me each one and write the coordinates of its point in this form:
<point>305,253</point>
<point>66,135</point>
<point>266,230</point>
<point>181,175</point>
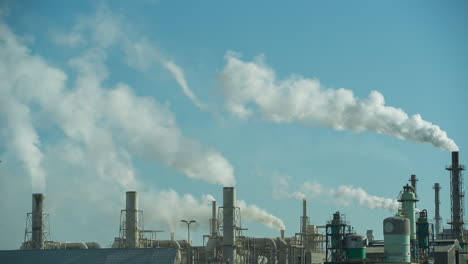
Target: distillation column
<point>229,238</point>
<point>457,197</point>
<point>437,218</point>
<point>37,221</point>
<point>131,220</point>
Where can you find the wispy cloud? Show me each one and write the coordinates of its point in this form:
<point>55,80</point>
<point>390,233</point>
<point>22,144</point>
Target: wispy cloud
<point>105,29</point>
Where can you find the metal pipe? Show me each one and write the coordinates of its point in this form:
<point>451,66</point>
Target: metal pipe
<point>37,224</point>
<point>282,234</point>
<point>131,220</point>
<point>229,239</point>
<point>437,218</point>
<point>413,181</point>
<point>214,221</point>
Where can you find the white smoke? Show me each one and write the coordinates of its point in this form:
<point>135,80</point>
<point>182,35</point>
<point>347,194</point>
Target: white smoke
<point>168,207</point>
<point>97,131</point>
<point>179,76</point>
<point>252,212</point>
<point>344,195</point>
<point>252,87</point>
<point>348,195</point>
<point>109,123</point>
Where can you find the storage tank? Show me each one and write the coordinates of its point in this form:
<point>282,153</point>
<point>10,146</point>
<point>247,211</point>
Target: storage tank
<point>397,239</point>
<point>423,230</point>
<point>355,247</point>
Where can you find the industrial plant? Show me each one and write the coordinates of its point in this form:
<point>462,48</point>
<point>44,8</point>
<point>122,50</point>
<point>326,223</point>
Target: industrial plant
<point>410,235</point>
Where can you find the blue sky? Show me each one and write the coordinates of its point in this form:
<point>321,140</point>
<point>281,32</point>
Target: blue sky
<point>413,53</point>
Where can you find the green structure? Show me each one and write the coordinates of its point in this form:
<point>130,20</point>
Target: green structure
<point>422,227</point>
<point>355,247</point>
<point>397,239</point>
<point>408,208</point>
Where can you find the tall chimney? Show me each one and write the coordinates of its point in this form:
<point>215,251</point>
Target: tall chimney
<point>282,234</point>
<point>413,181</point>
<point>229,239</point>
<point>38,221</point>
<point>214,221</point>
<point>437,218</point>
<point>457,197</point>
<point>131,220</point>
<point>304,217</point>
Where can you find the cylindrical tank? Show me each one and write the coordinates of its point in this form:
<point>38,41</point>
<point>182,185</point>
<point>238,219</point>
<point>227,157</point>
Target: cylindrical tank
<point>408,206</point>
<point>355,247</point>
<point>423,230</point>
<point>397,239</point>
<point>37,224</point>
<point>131,220</point>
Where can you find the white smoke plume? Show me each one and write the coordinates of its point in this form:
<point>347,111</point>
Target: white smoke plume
<point>252,88</point>
<point>252,212</point>
<point>109,123</point>
<point>344,195</point>
<point>179,76</point>
<point>168,207</point>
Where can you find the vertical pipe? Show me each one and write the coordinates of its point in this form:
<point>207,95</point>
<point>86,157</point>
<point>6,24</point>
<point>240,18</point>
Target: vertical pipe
<point>282,234</point>
<point>131,220</point>
<point>172,236</point>
<point>214,221</point>
<point>229,239</point>
<point>37,221</point>
<point>304,216</point>
<point>413,181</point>
<point>437,218</point>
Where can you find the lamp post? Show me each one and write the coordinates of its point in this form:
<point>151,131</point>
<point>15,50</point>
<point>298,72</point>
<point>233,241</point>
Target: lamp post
<point>188,222</point>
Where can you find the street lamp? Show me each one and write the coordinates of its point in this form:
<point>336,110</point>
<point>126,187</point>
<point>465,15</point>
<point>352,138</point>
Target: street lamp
<point>188,238</point>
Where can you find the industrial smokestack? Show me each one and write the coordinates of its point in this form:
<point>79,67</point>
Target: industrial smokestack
<point>38,221</point>
<point>282,234</point>
<point>229,239</point>
<point>437,218</point>
<point>304,217</point>
<point>214,221</point>
<point>131,220</point>
<point>457,196</point>
<point>413,181</point>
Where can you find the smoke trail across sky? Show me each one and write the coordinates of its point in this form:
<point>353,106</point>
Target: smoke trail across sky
<point>343,195</point>
<point>252,88</point>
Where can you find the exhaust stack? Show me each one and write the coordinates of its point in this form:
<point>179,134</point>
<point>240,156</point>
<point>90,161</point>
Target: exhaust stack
<point>131,220</point>
<point>38,221</point>
<point>457,197</point>
<point>229,210</point>
<point>413,181</point>
<point>437,218</point>
<point>214,221</point>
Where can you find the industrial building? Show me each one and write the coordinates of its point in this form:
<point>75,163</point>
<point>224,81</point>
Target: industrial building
<point>409,236</point>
